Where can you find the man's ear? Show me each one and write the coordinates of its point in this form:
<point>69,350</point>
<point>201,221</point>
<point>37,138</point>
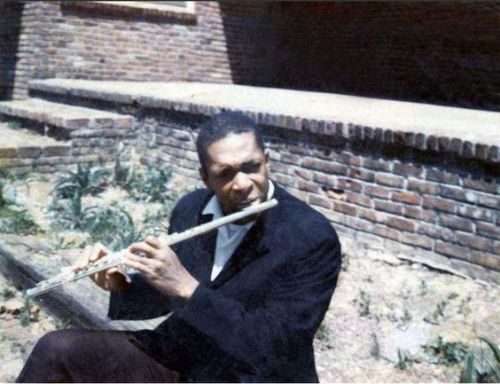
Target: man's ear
<point>204,177</point>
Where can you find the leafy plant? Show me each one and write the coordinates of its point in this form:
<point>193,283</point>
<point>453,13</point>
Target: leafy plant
<point>405,359</point>
<point>364,303</point>
<point>157,222</point>
<point>447,353</point>
<point>8,293</point>
<point>14,220</point>
<point>149,185</point>
<point>111,225</point>
<point>323,332</point>
<point>482,369</point>
<point>68,213</point>
<point>85,181</point>
<point>27,316</point>
<point>14,124</point>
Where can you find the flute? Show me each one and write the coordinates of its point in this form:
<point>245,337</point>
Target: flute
<point>116,258</point>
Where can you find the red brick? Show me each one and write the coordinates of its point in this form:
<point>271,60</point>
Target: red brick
<point>359,224</point>
<point>407,169</point>
<point>407,197</point>
<point>349,184</point>
<point>456,193</point>
<point>361,174</point>
<point>292,159</point>
<point>442,176</point>
<point>325,180</point>
<point>456,222</point>
<point>388,206</point>
<point>359,199</point>
<point>324,166</point>
<point>419,213</point>
<point>303,173</point>
<point>489,230</point>
<point>452,250</point>
<point>8,152</point>
<point>307,186</point>
<point>423,186</point>
<point>389,180</point>
<point>344,208</point>
<point>29,152</point>
<point>439,204</point>
<point>473,212</point>
<point>488,201</point>
<point>487,260</point>
<point>378,165</point>
<point>349,159</point>
<point>474,241</point>
<point>416,240</point>
<point>386,232</point>
<point>401,224</point>
<point>56,150</point>
<point>283,179</point>
<point>377,191</point>
<point>487,185</point>
<point>320,201</point>
<point>367,214</point>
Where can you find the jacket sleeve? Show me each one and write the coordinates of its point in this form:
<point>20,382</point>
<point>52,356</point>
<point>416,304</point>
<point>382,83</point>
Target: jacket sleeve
<point>284,324</point>
<point>141,301</point>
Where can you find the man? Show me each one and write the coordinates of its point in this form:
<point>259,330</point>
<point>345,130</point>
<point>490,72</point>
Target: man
<point>246,300</point>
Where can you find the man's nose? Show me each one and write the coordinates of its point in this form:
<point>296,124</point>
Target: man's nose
<point>242,182</point>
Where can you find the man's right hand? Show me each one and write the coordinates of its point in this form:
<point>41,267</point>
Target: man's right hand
<point>111,279</point>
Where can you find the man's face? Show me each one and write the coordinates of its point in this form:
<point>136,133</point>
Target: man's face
<point>237,172</point>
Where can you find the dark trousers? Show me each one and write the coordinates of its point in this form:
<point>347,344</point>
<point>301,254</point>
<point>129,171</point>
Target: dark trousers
<point>92,356</point>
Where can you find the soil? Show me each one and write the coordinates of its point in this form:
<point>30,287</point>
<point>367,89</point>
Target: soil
<point>382,305</point>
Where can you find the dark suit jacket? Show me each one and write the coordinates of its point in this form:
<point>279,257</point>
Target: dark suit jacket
<point>256,321</point>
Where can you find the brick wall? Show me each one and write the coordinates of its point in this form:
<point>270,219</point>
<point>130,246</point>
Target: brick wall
<point>68,40</point>
<point>425,203</point>
<point>10,22</point>
<point>439,52</point>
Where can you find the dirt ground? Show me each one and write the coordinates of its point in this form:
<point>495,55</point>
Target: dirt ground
<point>382,305</point>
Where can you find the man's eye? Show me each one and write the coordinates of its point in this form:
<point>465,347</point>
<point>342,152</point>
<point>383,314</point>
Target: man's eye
<point>251,168</point>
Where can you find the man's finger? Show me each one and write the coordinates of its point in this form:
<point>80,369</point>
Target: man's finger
<point>139,266</point>
<point>143,247</point>
<point>97,252</point>
<point>153,241</point>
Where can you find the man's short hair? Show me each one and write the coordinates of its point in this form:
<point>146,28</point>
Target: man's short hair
<point>220,126</point>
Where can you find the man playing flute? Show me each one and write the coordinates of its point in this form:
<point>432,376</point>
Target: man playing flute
<point>245,300</point>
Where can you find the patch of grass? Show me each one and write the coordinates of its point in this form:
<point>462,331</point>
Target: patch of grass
<point>405,359</point>
<point>85,181</point>
<point>67,213</point>
<point>364,303</point>
<point>483,366</point>
<point>149,185</point>
<point>446,353</point>
<point>19,221</point>
<point>439,312</point>
<point>323,332</point>
<point>27,316</point>
<point>8,293</point>
<point>112,226</point>
<point>14,124</point>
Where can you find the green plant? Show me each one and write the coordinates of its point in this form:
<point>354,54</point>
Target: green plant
<point>157,222</point>
<point>111,226</point>
<point>27,316</point>
<point>149,185</point>
<point>8,293</point>
<point>482,369</point>
<point>14,124</point>
<point>364,303</point>
<point>405,359</point>
<point>67,213</point>
<point>323,332</point>
<point>446,353</point>
<point>15,220</point>
<point>85,181</point>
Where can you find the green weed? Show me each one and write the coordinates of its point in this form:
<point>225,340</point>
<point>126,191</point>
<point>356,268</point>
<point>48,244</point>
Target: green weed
<point>446,353</point>
<point>85,181</point>
<point>481,366</point>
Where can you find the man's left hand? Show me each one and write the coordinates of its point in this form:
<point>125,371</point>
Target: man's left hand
<point>162,268</point>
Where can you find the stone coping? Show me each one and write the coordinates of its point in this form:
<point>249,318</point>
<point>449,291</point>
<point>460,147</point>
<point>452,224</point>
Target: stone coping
<point>60,115</point>
<point>466,132</point>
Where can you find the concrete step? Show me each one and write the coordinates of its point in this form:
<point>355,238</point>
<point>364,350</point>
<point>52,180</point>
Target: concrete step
<point>22,150</point>
<point>28,260</point>
<point>59,120</point>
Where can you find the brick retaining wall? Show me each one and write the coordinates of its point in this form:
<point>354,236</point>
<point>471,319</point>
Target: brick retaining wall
<point>421,203</point>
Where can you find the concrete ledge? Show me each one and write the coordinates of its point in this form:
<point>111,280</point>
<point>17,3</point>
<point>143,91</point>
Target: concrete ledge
<point>29,260</point>
<point>63,116</point>
<point>463,132</point>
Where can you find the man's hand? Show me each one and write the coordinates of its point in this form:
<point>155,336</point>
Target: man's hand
<point>111,279</point>
<point>161,267</point>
